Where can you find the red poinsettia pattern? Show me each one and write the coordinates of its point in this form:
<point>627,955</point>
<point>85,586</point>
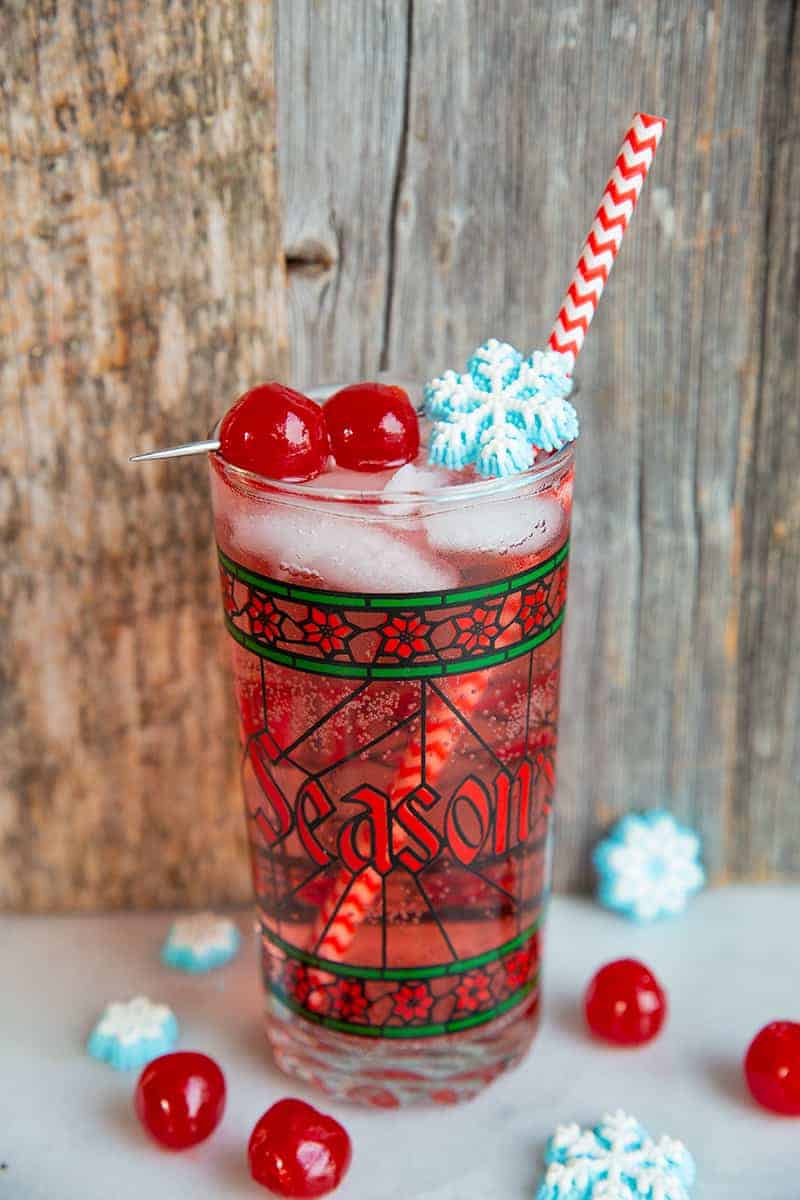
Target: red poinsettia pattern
<point>534,611</point>
<point>474,991</point>
<point>359,631</point>
<point>406,636</point>
<point>328,630</point>
<point>412,1001</point>
<point>517,966</point>
<point>298,983</point>
<point>348,1000</point>
<point>265,619</point>
<point>477,629</point>
<point>520,966</point>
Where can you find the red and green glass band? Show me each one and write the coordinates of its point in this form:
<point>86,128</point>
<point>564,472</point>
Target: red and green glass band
<point>394,636</point>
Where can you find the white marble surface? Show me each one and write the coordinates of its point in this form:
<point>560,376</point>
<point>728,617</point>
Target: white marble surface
<point>67,1129</point>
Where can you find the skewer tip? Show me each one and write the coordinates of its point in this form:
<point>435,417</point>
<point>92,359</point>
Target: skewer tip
<point>176,451</point>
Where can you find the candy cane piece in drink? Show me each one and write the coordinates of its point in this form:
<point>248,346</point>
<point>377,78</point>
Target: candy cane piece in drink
<point>351,897</point>
<point>605,235</point>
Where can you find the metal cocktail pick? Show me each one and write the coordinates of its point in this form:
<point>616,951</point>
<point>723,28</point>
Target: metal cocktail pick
<point>178,451</point>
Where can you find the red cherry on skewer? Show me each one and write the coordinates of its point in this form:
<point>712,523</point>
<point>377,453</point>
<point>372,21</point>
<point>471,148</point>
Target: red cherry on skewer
<point>625,1003</point>
<point>772,1067</point>
<point>180,1099</point>
<point>297,1151</point>
<point>372,426</point>
<point>277,432</point>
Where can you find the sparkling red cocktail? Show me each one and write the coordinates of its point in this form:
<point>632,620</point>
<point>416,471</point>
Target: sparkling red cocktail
<point>397,644</point>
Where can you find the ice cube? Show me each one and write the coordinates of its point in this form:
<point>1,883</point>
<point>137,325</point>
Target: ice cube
<point>413,481</point>
<point>411,478</point>
<point>303,545</point>
<point>342,479</point>
<point>524,525</point>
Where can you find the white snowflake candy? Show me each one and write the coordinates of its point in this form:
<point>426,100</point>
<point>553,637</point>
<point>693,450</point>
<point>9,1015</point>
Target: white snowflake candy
<point>133,1032</point>
<point>617,1160</point>
<point>200,942</point>
<point>494,366</point>
<point>503,450</point>
<point>501,410</point>
<point>648,866</point>
<point>451,393</point>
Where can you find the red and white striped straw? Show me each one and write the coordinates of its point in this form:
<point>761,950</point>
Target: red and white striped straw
<point>605,235</point>
<point>352,897</point>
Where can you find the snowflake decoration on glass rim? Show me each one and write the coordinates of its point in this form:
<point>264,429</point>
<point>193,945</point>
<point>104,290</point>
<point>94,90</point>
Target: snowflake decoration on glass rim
<point>617,1160</point>
<point>648,866</point>
<point>501,410</point>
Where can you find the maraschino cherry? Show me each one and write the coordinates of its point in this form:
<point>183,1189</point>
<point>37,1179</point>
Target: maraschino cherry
<point>297,1151</point>
<point>625,1003</point>
<point>277,432</point>
<point>772,1067</point>
<point>180,1099</point>
<point>372,426</point>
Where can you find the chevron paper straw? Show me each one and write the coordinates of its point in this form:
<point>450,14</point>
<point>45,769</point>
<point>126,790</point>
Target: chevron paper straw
<point>351,897</point>
<point>605,235</point>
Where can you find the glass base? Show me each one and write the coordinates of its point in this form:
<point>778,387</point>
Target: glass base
<point>385,1073</point>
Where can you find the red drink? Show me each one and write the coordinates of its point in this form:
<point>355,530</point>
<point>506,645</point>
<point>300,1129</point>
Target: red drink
<point>396,660</point>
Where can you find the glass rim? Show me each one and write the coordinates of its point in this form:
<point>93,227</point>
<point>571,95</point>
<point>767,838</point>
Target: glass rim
<point>481,489</point>
<point>459,493</point>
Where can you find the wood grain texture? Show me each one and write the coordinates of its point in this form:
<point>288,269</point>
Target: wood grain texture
<point>142,286</point>
<point>340,71</point>
<point>496,136</point>
<point>767,811</point>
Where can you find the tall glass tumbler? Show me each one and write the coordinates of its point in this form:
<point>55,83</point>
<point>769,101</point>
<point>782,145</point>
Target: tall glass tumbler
<point>396,665</point>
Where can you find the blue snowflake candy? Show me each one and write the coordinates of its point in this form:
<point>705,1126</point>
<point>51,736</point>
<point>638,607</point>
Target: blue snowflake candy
<point>617,1160</point>
<point>648,866</point>
<point>494,365</point>
<point>132,1033</point>
<point>500,410</point>
<point>503,450</point>
<point>200,942</point>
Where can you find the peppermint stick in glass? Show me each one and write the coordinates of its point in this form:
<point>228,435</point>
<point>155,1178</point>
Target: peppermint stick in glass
<point>351,898</point>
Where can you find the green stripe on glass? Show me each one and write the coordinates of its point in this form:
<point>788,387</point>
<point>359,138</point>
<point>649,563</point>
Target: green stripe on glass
<point>437,971</point>
<point>423,600</point>
<point>512,584</point>
<point>405,1031</point>
<point>311,596</point>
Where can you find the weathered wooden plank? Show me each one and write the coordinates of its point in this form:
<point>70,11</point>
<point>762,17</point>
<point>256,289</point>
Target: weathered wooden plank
<point>766,831</point>
<point>340,76</point>
<point>513,115</point>
<point>441,161</point>
<point>650,683</point>
<point>142,285</point>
